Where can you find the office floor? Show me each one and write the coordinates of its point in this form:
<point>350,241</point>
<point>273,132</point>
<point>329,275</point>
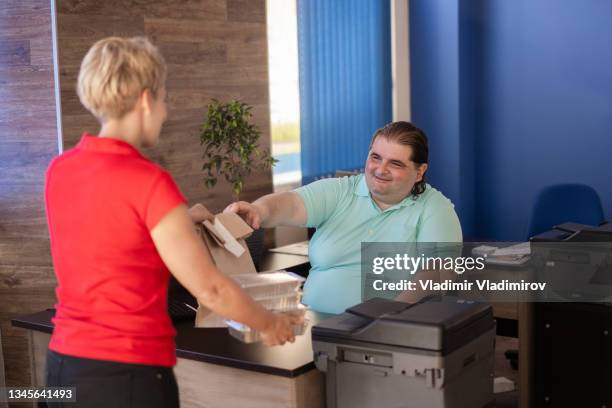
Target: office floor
<point>503,369</point>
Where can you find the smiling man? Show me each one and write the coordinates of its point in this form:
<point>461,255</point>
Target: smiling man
<point>389,203</point>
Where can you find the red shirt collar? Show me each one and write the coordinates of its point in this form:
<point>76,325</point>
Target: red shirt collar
<point>111,145</point>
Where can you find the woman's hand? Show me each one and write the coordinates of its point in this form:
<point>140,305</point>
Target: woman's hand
<point>199,213</point>
<point>279,329</point>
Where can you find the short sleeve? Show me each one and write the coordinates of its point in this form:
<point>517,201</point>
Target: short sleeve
<point>440,222</point>
<point>321,198</point>
<point>163,197</point>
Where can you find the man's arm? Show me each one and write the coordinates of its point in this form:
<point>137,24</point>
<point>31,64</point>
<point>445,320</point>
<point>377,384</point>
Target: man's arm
<point>272,210</point>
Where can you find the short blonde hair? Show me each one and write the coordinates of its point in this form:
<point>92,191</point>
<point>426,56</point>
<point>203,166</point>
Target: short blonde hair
<point>114,73</point>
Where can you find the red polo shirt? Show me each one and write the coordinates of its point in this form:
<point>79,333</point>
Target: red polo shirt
<point>102,200</point>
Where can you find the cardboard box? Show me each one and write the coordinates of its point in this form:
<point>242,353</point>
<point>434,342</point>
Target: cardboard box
<point>223,253</point>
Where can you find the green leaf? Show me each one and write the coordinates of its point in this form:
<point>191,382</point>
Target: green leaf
<point>230,144</point>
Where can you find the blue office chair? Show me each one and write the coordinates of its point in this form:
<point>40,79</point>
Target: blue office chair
<point>565,203</point>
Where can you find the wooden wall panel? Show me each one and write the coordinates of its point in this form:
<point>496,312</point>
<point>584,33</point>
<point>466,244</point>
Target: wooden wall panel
<point>246,10</point>
<point>209,10</point>
<point>214,49</point>
<point>28,141</point>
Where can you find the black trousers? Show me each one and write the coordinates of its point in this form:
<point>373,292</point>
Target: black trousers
<point>110,384</point>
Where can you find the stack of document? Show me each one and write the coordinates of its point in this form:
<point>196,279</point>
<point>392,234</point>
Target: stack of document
<point>276,291</point>
<point>513,255</point>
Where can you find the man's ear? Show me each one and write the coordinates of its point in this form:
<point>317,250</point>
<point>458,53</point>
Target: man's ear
<point>421,171</point>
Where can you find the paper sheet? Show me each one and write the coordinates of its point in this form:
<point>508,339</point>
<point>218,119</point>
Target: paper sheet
<point>299,248</point>
<point>524,248</point>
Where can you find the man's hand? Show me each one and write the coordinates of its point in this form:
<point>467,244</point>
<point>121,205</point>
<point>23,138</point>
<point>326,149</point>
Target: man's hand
<point>199,213</point>
<point>249,212</point>
<point>272,210</point>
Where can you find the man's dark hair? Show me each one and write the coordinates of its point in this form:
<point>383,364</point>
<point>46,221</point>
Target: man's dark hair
<point>405,133</point>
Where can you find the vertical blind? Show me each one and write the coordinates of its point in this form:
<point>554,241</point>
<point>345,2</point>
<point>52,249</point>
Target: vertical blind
<point>344,49</point>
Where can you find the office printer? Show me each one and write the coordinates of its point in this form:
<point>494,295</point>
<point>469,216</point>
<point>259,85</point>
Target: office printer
<point>574,232</point>
<point>572,324</point>
<point>382,353</point>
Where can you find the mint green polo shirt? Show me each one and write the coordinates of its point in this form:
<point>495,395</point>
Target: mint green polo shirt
<point>345,215</point>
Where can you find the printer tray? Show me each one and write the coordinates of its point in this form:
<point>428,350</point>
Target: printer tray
<point>438,323</point>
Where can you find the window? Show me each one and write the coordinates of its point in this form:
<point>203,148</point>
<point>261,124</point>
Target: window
<point>284,92</point>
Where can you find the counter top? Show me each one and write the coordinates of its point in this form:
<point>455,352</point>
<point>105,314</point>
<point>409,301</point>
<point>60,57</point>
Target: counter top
<point>216,346</point>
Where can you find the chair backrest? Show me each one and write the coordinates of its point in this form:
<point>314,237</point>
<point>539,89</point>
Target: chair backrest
<point>565,203</point>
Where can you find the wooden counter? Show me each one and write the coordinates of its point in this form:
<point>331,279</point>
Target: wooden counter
<point>215,370</point>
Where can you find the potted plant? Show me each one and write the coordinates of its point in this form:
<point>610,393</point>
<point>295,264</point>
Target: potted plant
<point>231,150</point>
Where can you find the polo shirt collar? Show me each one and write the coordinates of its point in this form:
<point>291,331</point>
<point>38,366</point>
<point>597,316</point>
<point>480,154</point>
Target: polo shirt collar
<point>111,145</point>
<point>363,191</point>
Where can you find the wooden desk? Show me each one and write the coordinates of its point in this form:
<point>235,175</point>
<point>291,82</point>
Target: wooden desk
<point>215,370</point>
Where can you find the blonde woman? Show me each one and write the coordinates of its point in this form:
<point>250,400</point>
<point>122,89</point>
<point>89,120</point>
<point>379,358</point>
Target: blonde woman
<point>118,226</point>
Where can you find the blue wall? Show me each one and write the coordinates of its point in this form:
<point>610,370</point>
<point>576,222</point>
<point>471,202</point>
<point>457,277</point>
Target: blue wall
<point>515,95</point>
<point>435,95</point>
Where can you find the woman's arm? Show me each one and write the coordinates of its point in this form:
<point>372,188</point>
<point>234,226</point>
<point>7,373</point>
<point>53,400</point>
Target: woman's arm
<point>183,252</point>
